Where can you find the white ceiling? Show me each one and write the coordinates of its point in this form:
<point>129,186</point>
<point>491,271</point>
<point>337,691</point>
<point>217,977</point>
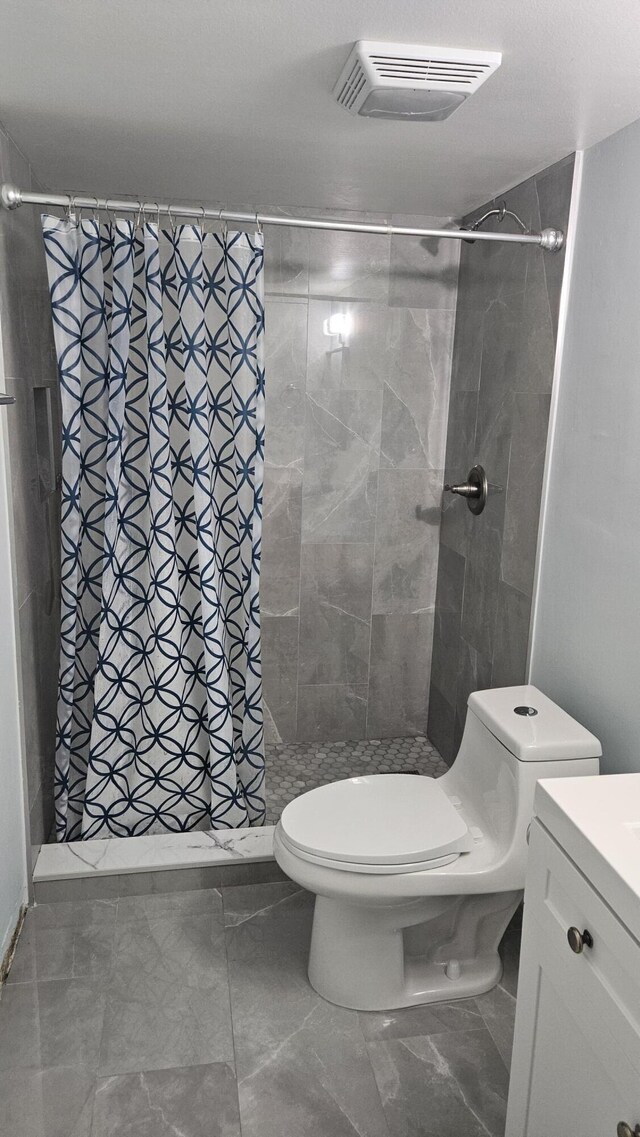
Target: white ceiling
<point>230,101</point>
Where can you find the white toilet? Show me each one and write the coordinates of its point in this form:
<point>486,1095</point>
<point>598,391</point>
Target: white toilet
<point>417,879</point>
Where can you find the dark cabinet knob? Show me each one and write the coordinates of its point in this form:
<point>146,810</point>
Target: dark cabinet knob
<point>624,1130</point>
<point>579,940</point>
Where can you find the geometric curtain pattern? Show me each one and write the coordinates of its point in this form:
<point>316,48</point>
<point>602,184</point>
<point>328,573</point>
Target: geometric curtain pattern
<point>160,345</point>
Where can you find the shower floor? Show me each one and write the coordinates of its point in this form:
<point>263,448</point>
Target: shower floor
<point>293,768</point>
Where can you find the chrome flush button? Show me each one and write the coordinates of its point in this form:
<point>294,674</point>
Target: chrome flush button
<point>525,710</point>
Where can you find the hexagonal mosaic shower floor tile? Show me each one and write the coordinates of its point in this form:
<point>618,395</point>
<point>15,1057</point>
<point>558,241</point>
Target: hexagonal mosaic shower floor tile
<point>293,768</point>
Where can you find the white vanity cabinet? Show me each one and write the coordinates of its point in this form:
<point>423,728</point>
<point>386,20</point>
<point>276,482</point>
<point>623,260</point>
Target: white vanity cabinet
<point>576,1056</point>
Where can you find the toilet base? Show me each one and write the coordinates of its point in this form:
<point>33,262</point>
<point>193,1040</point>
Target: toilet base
<point>359,957</point>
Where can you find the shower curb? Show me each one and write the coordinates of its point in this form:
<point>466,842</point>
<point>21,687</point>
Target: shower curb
<point>127,866</point>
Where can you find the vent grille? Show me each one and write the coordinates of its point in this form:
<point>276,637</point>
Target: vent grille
<point>431,71</point>
<point>352,85</point>
<point>372,66</point>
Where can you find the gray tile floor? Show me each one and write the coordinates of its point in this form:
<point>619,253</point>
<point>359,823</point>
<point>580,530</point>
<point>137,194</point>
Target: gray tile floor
<point>190,1014</point>
<point>293,768</point>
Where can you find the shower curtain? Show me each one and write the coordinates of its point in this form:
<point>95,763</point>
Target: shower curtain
<point>159,338</point>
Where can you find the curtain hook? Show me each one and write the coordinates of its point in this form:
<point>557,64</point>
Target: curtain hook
<point>95,210</point>
<point>172,220</point>
<point>138,218</point>
<point>157,205</point>
<point>503,211</point>
<point>203,219</point>
<point>258,225</point>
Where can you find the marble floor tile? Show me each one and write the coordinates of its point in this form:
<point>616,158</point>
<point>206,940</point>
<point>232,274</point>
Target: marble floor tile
<point>442,1085</point>
<point>271,926</point>
<point>72,952</point>
<point>302,1063</point>
<point>78,913</point>
<point>56,1102</point>
<point>498,1010</point>
<point>19,1026</point>
<point>253,902</point>
<point>153,906</point>
<point>196,1101</point>
<point>167,1003</point>
<point>182,946</point>
<point>411,1022</point>
<point>151,1053</point>
<point>71,1016</point>
<point>54,1023</point>
<point>160,1026</point>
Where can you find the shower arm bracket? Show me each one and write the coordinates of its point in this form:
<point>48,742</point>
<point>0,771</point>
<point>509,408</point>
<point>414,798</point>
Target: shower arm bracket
<point>551,239</point>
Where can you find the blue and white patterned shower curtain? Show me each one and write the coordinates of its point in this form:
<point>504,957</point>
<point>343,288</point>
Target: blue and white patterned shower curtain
<point>159,337</point>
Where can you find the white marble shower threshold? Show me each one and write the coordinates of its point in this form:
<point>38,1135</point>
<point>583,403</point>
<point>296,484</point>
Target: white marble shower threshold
<point>120,855</point>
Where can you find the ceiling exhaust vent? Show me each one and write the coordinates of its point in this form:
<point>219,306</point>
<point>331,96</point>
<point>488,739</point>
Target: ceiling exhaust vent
<point>409,81</point>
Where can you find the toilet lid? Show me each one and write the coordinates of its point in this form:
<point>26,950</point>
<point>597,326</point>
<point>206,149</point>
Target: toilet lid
<point>379,819</point>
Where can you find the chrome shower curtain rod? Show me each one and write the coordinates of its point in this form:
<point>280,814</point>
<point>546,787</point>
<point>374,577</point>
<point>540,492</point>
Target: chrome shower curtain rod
<point>12,197</point>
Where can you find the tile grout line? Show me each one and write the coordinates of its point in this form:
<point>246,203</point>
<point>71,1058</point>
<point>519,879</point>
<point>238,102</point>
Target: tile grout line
<point>231,1016</point>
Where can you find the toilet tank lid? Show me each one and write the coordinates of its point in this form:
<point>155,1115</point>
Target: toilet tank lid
<point>547,735</point>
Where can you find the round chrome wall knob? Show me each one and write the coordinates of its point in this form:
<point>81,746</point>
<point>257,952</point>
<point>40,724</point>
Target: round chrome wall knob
<point>579,940</point>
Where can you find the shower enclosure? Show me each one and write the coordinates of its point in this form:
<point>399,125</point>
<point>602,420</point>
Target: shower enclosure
<point>370,404</point>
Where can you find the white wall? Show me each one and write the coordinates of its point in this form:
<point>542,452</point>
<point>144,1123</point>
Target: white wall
<point>586,629</point>
<point>13,855</point>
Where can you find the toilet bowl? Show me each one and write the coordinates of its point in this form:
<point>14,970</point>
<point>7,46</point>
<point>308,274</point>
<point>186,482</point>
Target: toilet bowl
<point>416,879</point>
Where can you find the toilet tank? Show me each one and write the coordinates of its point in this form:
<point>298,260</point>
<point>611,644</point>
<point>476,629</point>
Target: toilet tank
<point>532,727</point>
<point>512,737</point>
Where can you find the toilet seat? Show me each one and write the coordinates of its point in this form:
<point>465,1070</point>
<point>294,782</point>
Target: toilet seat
<point>381,823</point>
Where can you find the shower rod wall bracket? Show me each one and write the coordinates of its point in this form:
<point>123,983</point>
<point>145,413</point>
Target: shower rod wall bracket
<point>552,240</point>
<point>11,197</point>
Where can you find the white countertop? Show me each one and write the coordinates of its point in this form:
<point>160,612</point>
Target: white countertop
<point>597,821</point>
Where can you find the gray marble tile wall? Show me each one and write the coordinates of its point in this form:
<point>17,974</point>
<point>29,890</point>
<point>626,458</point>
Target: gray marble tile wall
<point>31,376</point>
<point>501,378</point>
<point>355,447</point>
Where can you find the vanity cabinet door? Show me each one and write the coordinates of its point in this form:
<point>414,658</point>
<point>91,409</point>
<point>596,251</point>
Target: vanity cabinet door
<point>576,1056</point>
